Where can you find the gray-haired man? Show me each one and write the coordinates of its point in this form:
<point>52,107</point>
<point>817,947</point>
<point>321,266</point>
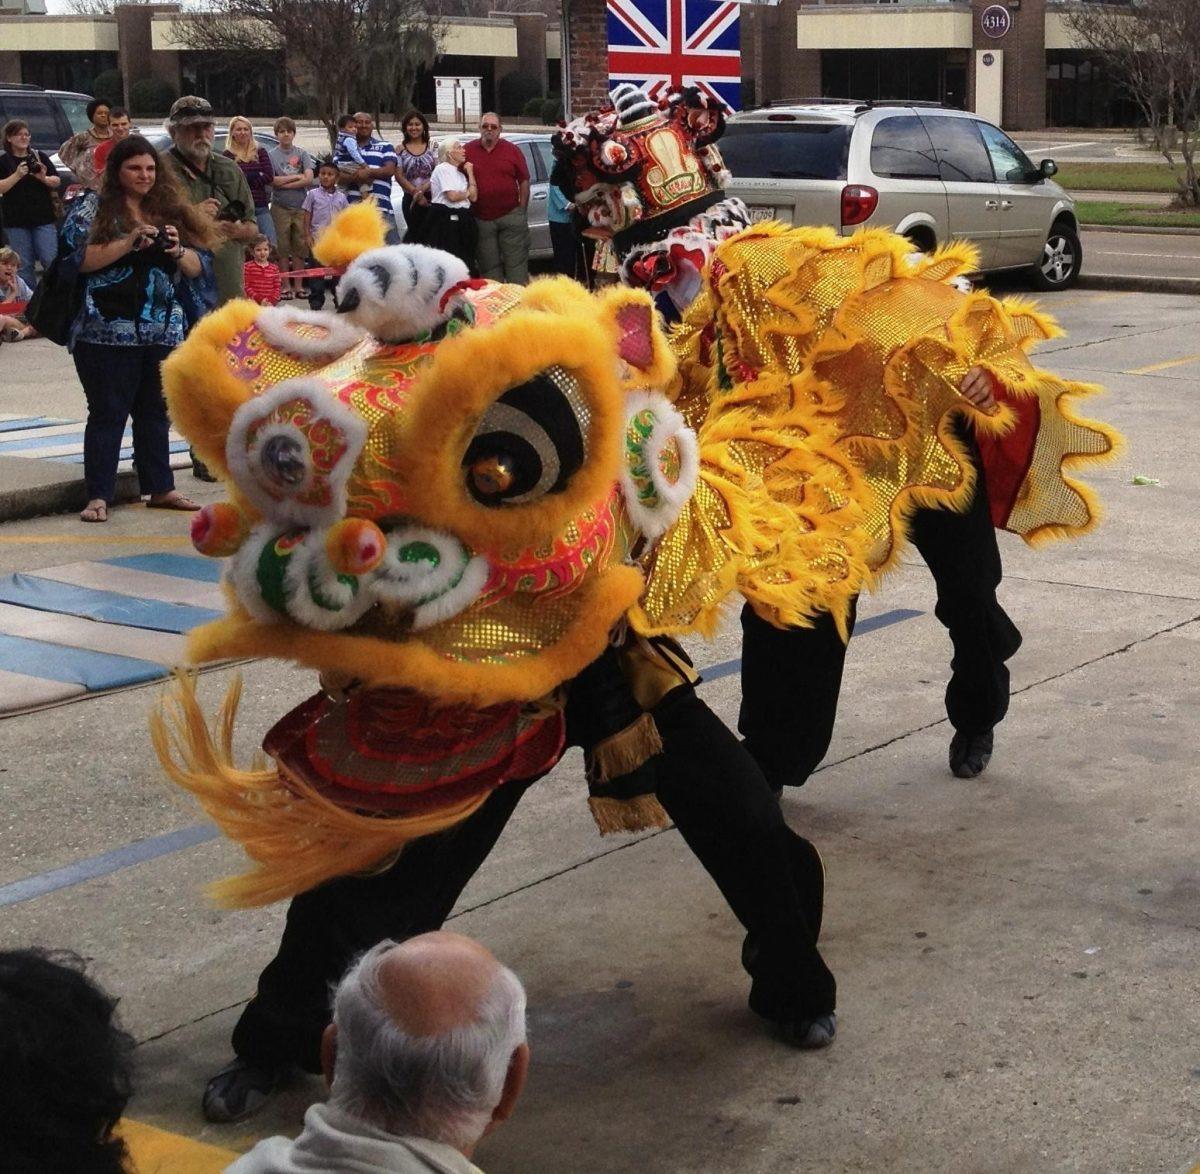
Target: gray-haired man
<point>426,1054</point>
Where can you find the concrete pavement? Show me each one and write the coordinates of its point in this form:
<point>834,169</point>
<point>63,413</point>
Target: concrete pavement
<point>1016,955</point>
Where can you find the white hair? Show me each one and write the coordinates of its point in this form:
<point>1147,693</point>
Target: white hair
<point>445,147</point>
<point>441,1087</point>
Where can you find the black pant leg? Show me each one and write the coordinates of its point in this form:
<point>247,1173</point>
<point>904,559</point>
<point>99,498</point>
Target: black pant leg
<point>328,926</point>
<point>964,559</point>
<point>726,813</point>
<point>791,678</point>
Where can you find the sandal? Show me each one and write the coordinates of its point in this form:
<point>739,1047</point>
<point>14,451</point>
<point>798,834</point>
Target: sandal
<point>96,510</point>
<point>171,501</point>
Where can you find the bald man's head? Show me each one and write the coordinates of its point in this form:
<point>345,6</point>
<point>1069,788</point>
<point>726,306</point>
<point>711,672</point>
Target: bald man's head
<point>430,1039</point>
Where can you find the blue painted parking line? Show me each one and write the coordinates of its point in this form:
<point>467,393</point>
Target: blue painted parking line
<point>178,566</point>
<point>74,666</point>
<point>25,423</point>
<point>107,862</point>
<point>106,606</point>
<point>29,443</point>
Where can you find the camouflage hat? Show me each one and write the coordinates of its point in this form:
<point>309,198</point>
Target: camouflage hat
<point>190,110</point>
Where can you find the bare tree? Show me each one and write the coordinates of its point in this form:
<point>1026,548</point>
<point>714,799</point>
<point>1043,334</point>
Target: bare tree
<point>343,53</point>
<point>1153,50</point>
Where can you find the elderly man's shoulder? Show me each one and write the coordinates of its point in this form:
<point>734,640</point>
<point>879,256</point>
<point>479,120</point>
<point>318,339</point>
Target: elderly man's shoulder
<point>333,1142</point>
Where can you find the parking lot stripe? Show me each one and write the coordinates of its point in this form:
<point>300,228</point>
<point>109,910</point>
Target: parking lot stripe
<point>106,606</point>
<point>1164,366</point>
<point>74,666</point>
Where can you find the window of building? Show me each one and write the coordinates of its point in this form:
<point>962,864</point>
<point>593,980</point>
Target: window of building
<point>962,157</point>
<point>1080,91</point>
<point>900,149</point>
<point>786,150</point>
<point>904,75</point>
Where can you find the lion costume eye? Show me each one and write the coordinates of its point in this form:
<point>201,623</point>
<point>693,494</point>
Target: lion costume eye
<point>529,442</point>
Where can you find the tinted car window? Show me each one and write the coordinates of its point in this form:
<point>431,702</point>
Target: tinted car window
<point>1011,164</point>
<point>900,149</point>
<point>785,150</point>
<point>39,112</point>
<point>530,162</point>
<point>545,154</point>
<point>76,111</point>
<point>962,157</point>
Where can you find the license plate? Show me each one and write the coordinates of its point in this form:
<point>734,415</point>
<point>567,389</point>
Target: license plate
<point>759,213</point>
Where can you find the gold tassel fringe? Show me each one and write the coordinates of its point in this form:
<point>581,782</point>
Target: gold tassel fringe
<point>626,750</point>
<point>639,814</point>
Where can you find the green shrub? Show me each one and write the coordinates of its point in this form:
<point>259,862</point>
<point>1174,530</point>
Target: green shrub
<point>551,109</point>
<point>533,108</point>
<point>109,85</point>
<point>152,95</point>
<point>298,106</point>
<point>515,90</point>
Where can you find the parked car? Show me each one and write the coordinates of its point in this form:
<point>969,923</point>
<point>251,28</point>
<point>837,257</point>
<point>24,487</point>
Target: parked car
<point>49,119</point>
<point>926,171</point>
<point>160,140</point>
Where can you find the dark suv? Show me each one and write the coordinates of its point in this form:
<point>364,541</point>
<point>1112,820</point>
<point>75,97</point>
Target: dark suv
<point>47,116</point>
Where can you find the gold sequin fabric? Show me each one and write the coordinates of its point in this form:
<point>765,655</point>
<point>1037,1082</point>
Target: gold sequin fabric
<point>822,374</point>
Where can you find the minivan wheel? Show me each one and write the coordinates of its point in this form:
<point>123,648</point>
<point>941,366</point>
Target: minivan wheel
<point>1061,259</point>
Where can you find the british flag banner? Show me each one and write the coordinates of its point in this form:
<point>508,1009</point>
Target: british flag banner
<point>661,45</point>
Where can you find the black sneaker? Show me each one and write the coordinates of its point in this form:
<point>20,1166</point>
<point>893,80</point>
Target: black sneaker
<point>238,1091</point>
<point>970,754</point>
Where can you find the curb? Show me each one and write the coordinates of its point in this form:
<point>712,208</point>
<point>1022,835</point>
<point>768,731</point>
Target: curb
<point>59,497</point>
<point>1134,284</point>
<point>1143,229</point>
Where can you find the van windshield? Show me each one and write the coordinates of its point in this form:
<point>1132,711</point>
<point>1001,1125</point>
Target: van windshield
<point>786,150</point>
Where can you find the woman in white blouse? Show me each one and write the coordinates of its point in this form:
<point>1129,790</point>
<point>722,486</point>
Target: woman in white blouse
<point>450,225</point>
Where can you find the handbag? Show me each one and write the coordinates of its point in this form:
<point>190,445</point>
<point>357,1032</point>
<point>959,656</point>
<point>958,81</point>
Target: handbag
<point>57,300</point>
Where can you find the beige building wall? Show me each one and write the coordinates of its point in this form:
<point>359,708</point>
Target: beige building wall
<point>480,39</point>
<point>1059,35</point>
<point>58,34</point>
<point>854,27</point>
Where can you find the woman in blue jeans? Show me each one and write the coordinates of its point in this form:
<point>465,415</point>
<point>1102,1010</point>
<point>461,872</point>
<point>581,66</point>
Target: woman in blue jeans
<point>27,179</point>
<point>138,247</point>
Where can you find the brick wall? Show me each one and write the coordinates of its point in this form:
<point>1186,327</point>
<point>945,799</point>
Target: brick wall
<point>587,51</point>
<point>1024,61</point>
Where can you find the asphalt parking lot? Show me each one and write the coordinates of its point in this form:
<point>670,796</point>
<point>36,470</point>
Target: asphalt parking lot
<point>1016,955</point>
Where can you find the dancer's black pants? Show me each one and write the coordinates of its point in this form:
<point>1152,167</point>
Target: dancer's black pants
<point>791,677</point>
<point>723,808</point>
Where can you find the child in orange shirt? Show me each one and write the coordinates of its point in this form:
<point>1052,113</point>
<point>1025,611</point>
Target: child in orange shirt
<point>261,274</point>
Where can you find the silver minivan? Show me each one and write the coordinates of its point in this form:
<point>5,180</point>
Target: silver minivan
<point>928,172</point>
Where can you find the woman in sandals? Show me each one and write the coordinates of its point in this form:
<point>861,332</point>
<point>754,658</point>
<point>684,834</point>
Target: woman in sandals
<point>137,246</point>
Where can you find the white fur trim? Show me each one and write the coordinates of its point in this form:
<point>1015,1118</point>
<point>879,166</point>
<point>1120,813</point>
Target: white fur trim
<point>468,588</point>
<point>672,497</point>
<point>309,571</point>
<point>242,572</point>
<point>278,327</point>
<point>435,593</point>
<point>278,502</point>
<point>417,279</point>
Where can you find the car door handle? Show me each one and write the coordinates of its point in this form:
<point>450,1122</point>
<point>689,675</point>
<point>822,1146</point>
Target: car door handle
<point>991,204</point>
<point>539,195</point>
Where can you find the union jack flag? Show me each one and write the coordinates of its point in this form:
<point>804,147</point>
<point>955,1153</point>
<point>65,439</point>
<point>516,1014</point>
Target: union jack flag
<point>662,45</point>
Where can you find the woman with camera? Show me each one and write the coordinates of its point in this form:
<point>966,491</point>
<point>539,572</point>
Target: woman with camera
<point>27,179</point>
<point>138,246</point>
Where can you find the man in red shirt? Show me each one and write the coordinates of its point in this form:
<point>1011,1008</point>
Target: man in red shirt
<point>502,179</point>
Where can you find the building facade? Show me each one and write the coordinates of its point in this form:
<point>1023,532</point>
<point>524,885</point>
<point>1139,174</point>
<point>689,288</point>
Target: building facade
<point>1015,61</point>
<point>149,40</point>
